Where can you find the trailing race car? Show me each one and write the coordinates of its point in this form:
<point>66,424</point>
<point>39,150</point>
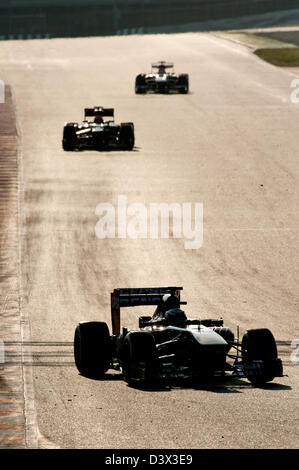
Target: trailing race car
<point>168,346</point>
<point>98,134</point>
<point>160,80</point>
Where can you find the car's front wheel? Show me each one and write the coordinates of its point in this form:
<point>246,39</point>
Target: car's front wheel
<point>259,356</point>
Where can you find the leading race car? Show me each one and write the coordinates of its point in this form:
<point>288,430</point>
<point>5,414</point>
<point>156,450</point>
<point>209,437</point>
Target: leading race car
<point>98,134</point>
<point>162,79</point>
<point>168,346</point>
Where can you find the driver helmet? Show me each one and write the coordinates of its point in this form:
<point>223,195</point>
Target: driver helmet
<point>170,301</point>
<point>98,120</point>
<point>175,317</point>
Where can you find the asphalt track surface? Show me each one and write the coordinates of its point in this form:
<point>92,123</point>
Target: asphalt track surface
<point>231,144</point>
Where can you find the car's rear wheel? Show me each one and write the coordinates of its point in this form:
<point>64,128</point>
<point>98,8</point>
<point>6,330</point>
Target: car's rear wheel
<point>92,348</point>
<point>183,83</point>
<point>139,358</point>
<point>69,138</point>
<point>140,84</point>
<point>259,345</point>
<point>127,138</point>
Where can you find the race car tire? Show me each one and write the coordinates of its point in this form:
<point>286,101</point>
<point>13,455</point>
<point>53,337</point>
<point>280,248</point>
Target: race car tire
<point>140,84</point>
<point>139,358</point>
<point>92,348</point>
<point>260,345</point>
<point>127,138</point>
<point>183,83</point>
<point>69,138</point>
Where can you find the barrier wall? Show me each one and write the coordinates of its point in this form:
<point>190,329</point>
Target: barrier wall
<point>70,18</point>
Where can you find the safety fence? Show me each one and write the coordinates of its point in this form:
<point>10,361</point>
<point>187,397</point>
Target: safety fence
<point>20,19</point>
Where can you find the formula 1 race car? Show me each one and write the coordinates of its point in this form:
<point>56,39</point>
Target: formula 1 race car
<point>162,81</point>
<point>167,346</point>
<point>98,134</point>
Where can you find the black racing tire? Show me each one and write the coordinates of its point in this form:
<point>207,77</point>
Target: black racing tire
<point>92,348</point>
<point>183,83</point>
<point>69,138</point>
<point>140,84</point>
<point>127,137</point>
<point>139,350</point>
<point>260,345</point>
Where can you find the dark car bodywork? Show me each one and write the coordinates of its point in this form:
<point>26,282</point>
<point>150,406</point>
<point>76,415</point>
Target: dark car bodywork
<point>98,134</point>
<point>158,351</point>
<point>162,79</point>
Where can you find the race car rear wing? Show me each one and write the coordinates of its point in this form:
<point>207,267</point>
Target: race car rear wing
<point>98,111</point>
<point>138,296</point>
<point>166,65</point>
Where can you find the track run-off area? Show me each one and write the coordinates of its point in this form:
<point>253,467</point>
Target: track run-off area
<point>231,144</point>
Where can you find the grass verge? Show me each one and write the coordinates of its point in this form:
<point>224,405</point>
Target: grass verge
<point>284,57</point>
<point>252,40</point>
